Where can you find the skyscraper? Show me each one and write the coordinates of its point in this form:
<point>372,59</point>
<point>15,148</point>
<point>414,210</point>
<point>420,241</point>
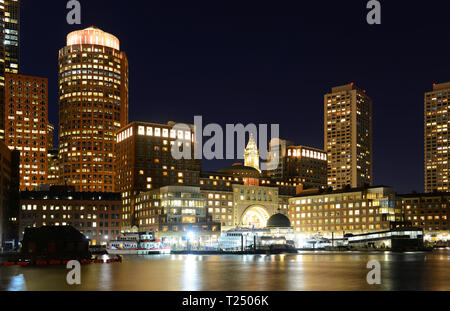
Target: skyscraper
<point>93,105</point>
<point>144,162</point>
<point>348,136</point>
<point>299,165</point>
<point>26,116</point>
<point>12,28</point>
<point>437,138</point>
<point>306,166</point>
<point>9,49</point>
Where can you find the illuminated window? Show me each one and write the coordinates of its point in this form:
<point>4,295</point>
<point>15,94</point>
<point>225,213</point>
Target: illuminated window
<point>141,130</point>
<point>165,133</point>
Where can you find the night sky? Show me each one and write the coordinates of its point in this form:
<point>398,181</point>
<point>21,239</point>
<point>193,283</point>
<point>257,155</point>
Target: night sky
<point>265,62</point>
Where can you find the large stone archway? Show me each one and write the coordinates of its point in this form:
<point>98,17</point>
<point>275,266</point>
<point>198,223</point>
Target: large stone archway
<point>255,216</point>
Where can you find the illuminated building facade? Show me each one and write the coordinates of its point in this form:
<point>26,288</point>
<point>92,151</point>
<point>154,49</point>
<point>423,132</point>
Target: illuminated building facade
<point>359,210</point>
<point>234,196</point>
<point>93,106</point>
<point>429,211</point>
<point>220,206</point>
<point>228,206</point>
<point>437,145</point>
<point>241,196</point>
<point>53,168</point>
<point>278,148</point>
<point>303,166</point>
<point>178,215</point>
<point>96,215</point>
<point>26,118</point>
<point>251,155</point>
<point>50,137</point>
<point>253,205</point>
<point>306,166</point>
<point>144,161</point>
<point>348,137</point>
<point>12,32</point>
<point>9,50</point>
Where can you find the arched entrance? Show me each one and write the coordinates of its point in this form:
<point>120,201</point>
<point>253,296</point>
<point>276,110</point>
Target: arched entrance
<point>255,217</point>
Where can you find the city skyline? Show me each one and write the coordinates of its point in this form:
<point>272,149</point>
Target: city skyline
<point>276,72</point>
<point>224,146</point>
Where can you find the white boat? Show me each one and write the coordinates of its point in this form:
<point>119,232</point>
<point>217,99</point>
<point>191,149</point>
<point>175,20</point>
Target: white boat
<point>143,243</point>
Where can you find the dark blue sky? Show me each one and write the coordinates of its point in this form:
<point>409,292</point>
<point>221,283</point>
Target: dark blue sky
<point>265,62</point>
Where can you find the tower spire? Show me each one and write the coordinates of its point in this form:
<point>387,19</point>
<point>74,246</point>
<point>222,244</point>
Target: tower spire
<point>251,156</point>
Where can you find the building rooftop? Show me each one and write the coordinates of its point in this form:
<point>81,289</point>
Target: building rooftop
<point>347,87</point>
<point>431,194</point>
<point>59,194</point>
<point>241,170</point>
<point>327,192</point>
<point>278,221</point>
<point>441,86</point>
<point>93,35</point>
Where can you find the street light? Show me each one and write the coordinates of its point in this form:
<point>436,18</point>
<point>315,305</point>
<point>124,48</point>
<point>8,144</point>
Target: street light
<point>190,236</point>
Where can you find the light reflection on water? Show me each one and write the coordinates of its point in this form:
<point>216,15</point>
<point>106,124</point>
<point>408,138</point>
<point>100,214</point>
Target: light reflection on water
<point>17,283</point>
<point>305,271</point>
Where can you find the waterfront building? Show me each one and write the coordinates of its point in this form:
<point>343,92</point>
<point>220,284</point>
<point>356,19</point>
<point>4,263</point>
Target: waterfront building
<point>9,197</point>
<point>93,106</point>
<point>26,130</point>
<point>436,144</point>
<point>94,214</point>
<point>348,137</point>
<point>240,196</point>
<point>144,162</point>
<point>336,213</point>
<point>253,205</point>
<point>398,239</point>
<point>220,206</point>
<point>278,231</point>
<point>177,215</point>
<point>429,211</point>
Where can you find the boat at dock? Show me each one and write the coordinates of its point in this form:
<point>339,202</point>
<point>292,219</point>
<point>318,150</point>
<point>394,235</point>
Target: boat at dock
<point>251,241</point>
<point>137,243</point>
